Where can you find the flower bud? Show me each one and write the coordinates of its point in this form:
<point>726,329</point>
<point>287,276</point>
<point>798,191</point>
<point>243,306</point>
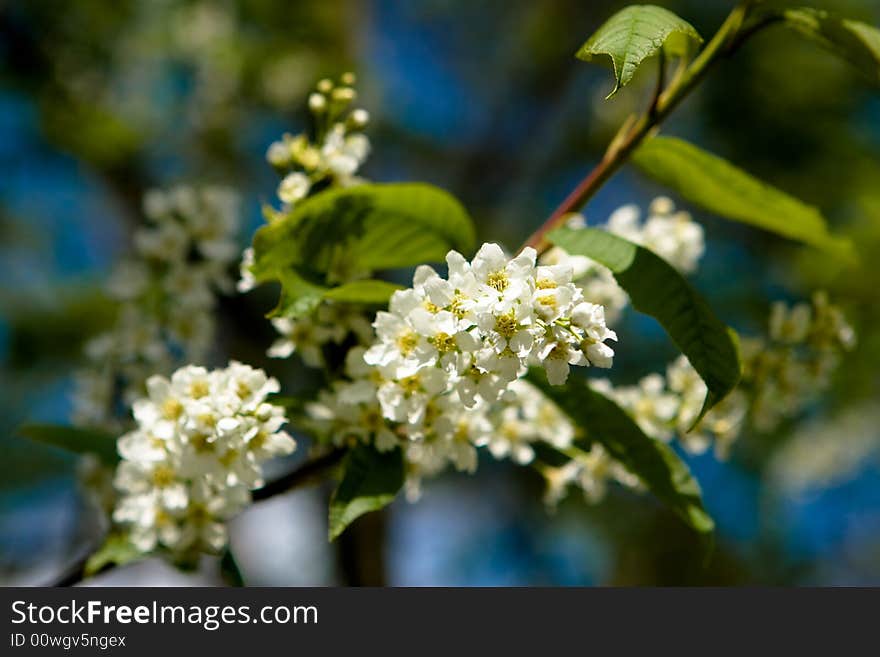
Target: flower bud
<point>317,103</point>
<point>278,154</point>
<point>359,118</point>
<point>343,94</point>
<point>294,187</point>
<point>662,205</point>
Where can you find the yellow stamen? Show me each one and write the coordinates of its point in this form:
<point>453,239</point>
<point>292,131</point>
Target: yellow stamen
<point>506,325</point>
<point>457,306</point>
<point>444,342</point>
<point>229,458</point>
<point>407,341</point>
<point>411,384</point>
<point>201,442</point>
<point>163,476</point>
<point>258,440</point>
<point>498,280</point>
<point>171,409</point>
<point>199,389</point>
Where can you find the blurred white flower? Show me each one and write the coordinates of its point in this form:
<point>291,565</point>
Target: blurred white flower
<point>828,452</point>
<point>591,471</point>
<point>674,236</point>
<point>167,293</point>
<point>307,335</point>
<point>294,187</point>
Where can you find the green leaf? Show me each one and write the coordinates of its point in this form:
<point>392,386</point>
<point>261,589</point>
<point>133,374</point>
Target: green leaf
<point>372,292</point>
<point>74,439</point>
<point>654,462</point>
<point>657,289</point>
<point>117,550</point>
<point>725,190</point>
<point>856,42</point>
<point>635,33</point>
<point>370,481</point>
<point>370,226</point>
<point>298,296</point>
<point>549,455</point>
<point>230,571</point>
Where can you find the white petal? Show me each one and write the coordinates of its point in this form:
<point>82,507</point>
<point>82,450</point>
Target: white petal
<point>557,371</point>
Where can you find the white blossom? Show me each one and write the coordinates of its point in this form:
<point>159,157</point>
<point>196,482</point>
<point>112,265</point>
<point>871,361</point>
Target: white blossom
<point>788,370</point>
<point>674,236</point>
<point>790,325</point>
<point>443,374</point>
<point>294,187</point>
<point>195,455</point>
<point>723,422</point>
<point>653,407</point>
<point>247,281</point>
<point>344,153</point>
<point>330,157</point>
<point>590,471</point>
<point>307,335</point>
<point>335,152</point>
<point>480,329</point>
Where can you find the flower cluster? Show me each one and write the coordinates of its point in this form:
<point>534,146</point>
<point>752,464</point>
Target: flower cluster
<point>788,369</point>
<point>166,294</point>
<point>338,150</point>
<point>722,425</point>
<point>307,335</point>
<point>443,376</point>
<point>479,329</point>
<point>450,432</point>
<point>195,455</point>
<point>782,373</point>
<point>667,407</point>
<point>674,236</point>
<point>828,452</point>
<point>591,471</point>
<point>332,159</point>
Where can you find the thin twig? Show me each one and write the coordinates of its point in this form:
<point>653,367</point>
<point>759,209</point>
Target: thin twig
<point>661,83</point>
<point>308,473</point>
<point>728,38</point>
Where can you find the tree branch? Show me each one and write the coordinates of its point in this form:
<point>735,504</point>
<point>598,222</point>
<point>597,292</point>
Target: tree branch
<point>309,473</point>
<point>728,37</point>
